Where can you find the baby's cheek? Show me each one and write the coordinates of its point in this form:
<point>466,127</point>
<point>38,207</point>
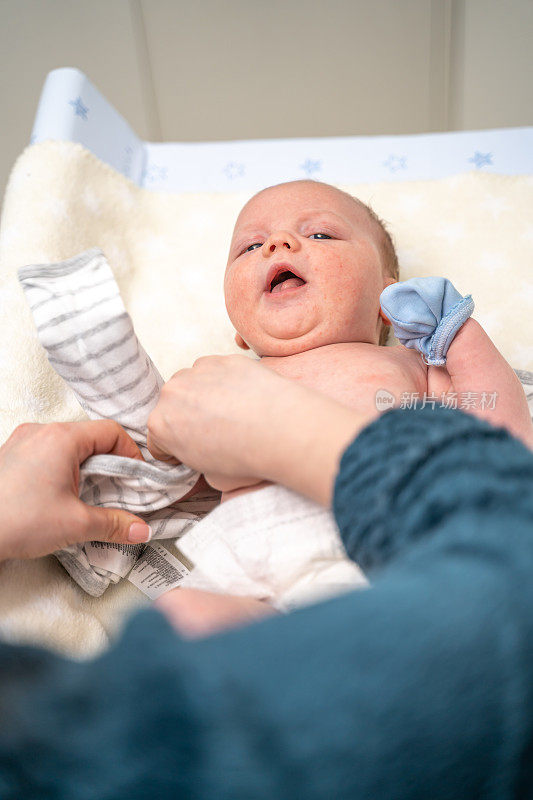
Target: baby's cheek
<point>231,294</point>
<point>367,287</point>
<point>352,306</point>
<point>348,289</point>
<point>347,282</point>
<point>237,298</point>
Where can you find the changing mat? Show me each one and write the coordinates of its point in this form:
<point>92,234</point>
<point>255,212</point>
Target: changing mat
<point>168,253</point>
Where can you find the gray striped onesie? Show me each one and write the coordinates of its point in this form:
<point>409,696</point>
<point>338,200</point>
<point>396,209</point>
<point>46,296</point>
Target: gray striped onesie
<point>89,340</point>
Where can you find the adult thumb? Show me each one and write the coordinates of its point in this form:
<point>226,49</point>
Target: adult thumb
<point>115,525</point>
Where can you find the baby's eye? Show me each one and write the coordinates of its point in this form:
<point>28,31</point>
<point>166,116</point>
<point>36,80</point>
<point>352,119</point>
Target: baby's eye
<point>252,247</point>
<point>320,236</point>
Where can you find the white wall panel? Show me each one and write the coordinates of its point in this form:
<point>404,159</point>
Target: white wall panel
<point>99,37</point>
<point>226,69</point>
<point>492,64</point>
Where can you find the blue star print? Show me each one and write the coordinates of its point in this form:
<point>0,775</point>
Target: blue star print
<point>394,163</point>
<point>154,173</point>
<point>79,109</point>
<point>310,166</point>
<point>128,153</point>
<point>481,159</point>
<point>233,170</point>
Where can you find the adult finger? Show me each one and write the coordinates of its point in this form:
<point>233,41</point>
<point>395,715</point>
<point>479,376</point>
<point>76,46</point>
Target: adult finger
<point>94,437</point>
<point>111,525</point>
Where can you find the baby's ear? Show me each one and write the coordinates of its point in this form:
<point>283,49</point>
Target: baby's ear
<point>239,341</point>
<point>385,319</point>
<point>386,282</point>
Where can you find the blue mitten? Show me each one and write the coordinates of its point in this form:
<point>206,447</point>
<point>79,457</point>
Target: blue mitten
<point>425,314</point>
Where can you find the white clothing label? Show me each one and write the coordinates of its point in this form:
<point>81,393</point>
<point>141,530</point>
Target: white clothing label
<point>116,558</point>
<point>157,571</point>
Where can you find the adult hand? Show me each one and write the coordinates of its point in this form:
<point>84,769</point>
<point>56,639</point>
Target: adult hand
<point>231,416</point>
<point>39,485</point>
<point>209,415</point>
<point>196,613</point>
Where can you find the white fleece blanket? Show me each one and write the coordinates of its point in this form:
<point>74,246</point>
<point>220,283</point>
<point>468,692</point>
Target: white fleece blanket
<point>168,254</point>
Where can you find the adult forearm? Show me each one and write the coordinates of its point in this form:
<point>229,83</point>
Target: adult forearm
<point>420,686</point>
<point>416,470</point>
<point>301,443</point>
<point>233,419</point>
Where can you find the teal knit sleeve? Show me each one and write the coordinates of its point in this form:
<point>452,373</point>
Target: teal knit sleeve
<point>419,687</point>
<point>411,471</point>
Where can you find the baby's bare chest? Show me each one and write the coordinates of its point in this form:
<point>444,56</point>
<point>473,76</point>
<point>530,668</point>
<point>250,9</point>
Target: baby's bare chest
<point>354,373</point>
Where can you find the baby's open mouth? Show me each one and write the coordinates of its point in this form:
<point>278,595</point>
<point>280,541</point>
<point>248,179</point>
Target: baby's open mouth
<point>285,280</point>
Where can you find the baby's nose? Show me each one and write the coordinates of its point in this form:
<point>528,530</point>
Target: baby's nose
<point>279,240</point>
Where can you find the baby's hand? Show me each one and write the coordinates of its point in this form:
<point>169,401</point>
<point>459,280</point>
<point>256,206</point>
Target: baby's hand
<point>426,314</point>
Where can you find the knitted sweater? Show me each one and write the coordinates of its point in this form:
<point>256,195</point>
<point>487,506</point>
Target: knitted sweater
<point>419,687</point>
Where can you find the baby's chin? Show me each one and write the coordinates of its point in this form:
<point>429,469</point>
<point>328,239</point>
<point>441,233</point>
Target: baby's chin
<point>288,347</point>
<point>265,345</point>
<point>279,350</point>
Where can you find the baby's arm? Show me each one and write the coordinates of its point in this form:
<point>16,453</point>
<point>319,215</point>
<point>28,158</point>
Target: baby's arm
<point>475,365</point>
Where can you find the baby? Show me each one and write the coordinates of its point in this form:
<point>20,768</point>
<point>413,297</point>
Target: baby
<point>306,268</point>
<point>306,272</point>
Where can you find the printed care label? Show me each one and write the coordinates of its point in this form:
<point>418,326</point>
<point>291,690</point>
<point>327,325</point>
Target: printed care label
<point>117,558</point>
<point>157,571</point>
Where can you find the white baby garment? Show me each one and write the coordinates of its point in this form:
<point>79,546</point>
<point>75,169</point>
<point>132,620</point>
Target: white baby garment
<point>272,544</point>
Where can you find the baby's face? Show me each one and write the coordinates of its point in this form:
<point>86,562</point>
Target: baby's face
<point>328,242</point>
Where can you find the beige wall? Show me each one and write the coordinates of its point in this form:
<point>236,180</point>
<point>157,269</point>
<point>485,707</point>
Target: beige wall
<point>231,69</point>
